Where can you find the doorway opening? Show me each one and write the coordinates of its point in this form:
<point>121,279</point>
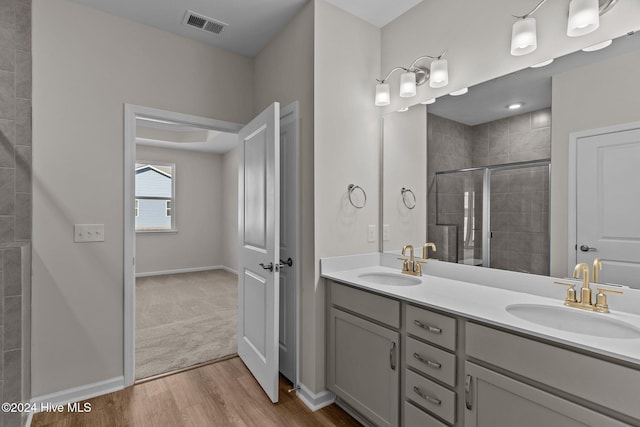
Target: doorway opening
<point>181,244</point>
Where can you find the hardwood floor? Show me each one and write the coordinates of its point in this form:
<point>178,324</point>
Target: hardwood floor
<point>219,394</point>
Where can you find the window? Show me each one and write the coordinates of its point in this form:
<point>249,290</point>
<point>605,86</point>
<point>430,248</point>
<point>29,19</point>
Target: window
<point>155,196</point>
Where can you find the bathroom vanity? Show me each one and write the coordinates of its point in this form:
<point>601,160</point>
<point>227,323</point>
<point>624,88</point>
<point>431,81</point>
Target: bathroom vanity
<point>432,351</point>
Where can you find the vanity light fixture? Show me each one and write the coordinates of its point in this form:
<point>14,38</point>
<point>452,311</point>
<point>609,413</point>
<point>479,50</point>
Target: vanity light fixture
<point>414,76</point>
<point>428,101</point>
<point>403,109</point>
<point>459,92</point>
<point>515,105</point>
<point>597,46</point>
<point>542,64</point>
<point>584,18</point>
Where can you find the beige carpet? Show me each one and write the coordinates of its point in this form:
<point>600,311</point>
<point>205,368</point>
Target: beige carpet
<point>184,319</point>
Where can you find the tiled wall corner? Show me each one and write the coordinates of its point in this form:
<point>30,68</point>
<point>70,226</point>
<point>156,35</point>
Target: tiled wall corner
<point>15,199</point>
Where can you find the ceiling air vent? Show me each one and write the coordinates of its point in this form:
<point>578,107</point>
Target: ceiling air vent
<point>203,23</point>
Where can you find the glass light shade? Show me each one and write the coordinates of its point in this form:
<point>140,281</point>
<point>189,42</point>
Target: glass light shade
<point>460,91</point>
<point>542,64</point>
<point>597,46</point>
<point>408,84</point>
<point>428,101</point>
<point>382,94</point>
<point>524,38</point>
<point>584,17</point>
<point>439,73</point>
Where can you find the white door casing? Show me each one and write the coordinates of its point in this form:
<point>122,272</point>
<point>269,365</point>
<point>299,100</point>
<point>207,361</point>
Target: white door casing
<point>289,241</point>
<point>259,247</point>
<point>607,202</point>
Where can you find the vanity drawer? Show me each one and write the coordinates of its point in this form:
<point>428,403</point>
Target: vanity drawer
<point>414,417</point>
<point>610,385</point>
<point>432,327</point>
<point>431,361</point>
<point>376,307</point>
<point>431,396</point>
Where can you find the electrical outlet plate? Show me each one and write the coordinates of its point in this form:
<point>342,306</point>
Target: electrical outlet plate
<point>83,233</point>
<point>371,233</point>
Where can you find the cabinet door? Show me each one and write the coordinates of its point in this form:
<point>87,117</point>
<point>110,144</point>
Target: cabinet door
<point>494,400</point>
<point>363,366</point>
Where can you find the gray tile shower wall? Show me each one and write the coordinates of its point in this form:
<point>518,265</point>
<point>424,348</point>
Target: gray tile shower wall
<point>15,203</point>
<point>519,202</point>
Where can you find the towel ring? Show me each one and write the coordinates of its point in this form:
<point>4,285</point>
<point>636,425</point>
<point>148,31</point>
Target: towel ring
<point>351,188</point>
<point>410,204</point>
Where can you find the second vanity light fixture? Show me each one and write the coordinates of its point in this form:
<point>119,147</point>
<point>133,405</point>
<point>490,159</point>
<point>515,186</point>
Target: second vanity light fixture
<point>414,76</point>
<point>584,18</point>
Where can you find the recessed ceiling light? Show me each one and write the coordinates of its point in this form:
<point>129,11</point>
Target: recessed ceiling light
<point>542,64</point>
<point>459,92</point>
<point>597,46</point>
<point>428,101</point>
<point>403,109</point>
<point>515,105</point>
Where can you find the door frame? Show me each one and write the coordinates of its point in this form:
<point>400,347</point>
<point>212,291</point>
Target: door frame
<point>131,112</point>
<point>572,199</point>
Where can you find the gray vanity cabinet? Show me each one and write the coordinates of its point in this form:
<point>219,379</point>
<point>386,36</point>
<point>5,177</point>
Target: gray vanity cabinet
<point>363,357</point>
<point>494,400</point>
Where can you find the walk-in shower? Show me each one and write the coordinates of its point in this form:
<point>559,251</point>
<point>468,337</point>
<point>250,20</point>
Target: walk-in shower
<point>495,216</point>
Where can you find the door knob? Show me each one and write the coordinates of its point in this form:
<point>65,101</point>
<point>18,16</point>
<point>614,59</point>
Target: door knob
<point>267,266</point>
<point>288,262</point>
<point>585,248</point>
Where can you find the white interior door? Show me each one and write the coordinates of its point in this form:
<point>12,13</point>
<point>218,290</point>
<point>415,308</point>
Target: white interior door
<point>608,204</point>
<point>259,248</point>
<point>289,226</point>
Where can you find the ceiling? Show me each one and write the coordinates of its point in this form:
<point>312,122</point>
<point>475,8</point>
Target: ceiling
<point>178,136</point>
<point>252,23</point>
<point>488,101</point>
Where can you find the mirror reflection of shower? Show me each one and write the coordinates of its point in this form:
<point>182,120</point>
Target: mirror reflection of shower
<point>495,216</point>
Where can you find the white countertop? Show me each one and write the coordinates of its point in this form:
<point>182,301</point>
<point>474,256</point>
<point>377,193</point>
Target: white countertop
<point>487,304</point>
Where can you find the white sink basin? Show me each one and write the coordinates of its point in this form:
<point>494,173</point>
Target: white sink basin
<point>573,320</point>
<point>392,279</point>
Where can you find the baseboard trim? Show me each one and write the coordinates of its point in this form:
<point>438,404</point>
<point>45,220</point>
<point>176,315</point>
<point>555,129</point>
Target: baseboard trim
<point>315,401</point>
<point>230,270</point>
<point>185,270</point>
<point>83,392</point>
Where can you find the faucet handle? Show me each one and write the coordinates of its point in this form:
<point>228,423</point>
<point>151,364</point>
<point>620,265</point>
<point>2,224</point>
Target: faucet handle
<point>571,291</point>
<point>405,264</point>
<point>601,299</point>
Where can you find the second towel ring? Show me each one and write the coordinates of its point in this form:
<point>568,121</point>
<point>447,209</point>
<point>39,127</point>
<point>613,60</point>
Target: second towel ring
<point>408,197</point>
<point>351,188</point>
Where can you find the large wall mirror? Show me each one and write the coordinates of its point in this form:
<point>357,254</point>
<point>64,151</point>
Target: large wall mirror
<point>472,173</point>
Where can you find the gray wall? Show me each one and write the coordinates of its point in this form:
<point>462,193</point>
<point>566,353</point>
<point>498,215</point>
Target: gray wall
<point>15,200</point>
<point>519,199</point>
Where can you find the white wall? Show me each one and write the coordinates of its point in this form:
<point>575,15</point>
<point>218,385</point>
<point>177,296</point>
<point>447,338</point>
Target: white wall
<point>582,101</point>
<point>86,65</point>
<point>230,209</point>
<point>199,204</point>
<point>404,165</point>
<point>284,72</point>
<point>346,144</point>
<point>478,36</point>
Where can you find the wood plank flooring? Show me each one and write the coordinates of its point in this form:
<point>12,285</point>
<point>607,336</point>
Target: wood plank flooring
<point>219,394</point>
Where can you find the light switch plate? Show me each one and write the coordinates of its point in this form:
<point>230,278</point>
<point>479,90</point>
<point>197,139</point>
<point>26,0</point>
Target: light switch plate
<point>83,233</point>
<point>386,232</point>
<point>371,233</point>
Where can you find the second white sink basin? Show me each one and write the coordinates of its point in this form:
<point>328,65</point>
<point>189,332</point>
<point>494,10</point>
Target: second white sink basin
<point>392,279</point>
<point>574,320</point>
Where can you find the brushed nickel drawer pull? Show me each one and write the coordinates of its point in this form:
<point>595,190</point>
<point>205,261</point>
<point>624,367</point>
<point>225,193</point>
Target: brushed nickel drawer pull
<point>430,363</point>
<point>392,356</point>
<point>426,397</point>
<point>468,383</point>
<point>429,328</point>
